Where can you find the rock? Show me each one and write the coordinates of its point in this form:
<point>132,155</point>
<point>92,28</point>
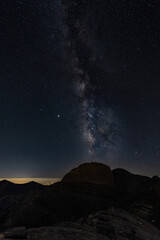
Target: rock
<point>2,236</point>
<point>155,184</point>
<point>111,224</point>
<point>117,224</point>
<point>127,182</point>
<point>93,172</point>
<point>70,232</point>
<point>16,233</point>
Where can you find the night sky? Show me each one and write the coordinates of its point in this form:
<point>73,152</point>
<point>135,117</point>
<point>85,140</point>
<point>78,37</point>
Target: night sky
<point>79,81</point>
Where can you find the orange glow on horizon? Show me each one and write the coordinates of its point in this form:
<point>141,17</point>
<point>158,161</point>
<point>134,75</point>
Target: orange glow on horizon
<point>44,181</point>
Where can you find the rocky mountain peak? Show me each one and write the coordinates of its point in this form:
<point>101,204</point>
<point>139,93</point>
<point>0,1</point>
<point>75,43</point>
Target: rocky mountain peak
<point>93,172</point>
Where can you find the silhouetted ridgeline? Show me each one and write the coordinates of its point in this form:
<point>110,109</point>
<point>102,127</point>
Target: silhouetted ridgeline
<point>91,187</point>
<point>93,172</point>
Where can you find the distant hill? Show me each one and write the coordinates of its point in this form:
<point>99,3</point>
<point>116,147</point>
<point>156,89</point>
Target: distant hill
<point>9,188</point>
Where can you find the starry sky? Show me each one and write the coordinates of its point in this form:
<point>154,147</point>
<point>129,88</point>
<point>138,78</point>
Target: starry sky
<point>79,81</point>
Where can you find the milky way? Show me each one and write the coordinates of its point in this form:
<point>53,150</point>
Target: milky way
<point>97,118</point>
<point>79,81</point>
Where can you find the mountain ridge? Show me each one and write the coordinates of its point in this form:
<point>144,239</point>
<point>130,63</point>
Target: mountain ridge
<point>35,205</point>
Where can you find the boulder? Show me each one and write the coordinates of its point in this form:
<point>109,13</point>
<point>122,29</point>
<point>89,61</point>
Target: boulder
<point>118,224</point>
<point>68,231</point>
<point>16,233</point>
<point>111,224</point>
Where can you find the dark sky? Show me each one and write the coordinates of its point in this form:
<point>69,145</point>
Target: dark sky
<point>79,81</point>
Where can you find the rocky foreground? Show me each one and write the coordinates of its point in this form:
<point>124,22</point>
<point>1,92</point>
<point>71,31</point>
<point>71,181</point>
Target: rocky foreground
<point>119,205</point>
<point>113,224</point>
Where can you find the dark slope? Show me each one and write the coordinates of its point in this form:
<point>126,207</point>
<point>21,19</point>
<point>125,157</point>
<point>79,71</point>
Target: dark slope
<point>34,205</point>
<point>13,196</point>
<point>93,172</point>
<point>9,188</point>
<point>63,201</point>
<point>127,182</point>
<point>113,224</point>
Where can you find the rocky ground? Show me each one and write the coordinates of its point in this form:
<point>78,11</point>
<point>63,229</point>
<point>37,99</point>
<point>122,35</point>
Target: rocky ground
<point>128,207</point>
<point>113,224</point>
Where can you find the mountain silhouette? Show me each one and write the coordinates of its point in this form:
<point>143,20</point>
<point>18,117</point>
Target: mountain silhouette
<point>127,182</point>
<point>89,188</point>
<point>90,172</point>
